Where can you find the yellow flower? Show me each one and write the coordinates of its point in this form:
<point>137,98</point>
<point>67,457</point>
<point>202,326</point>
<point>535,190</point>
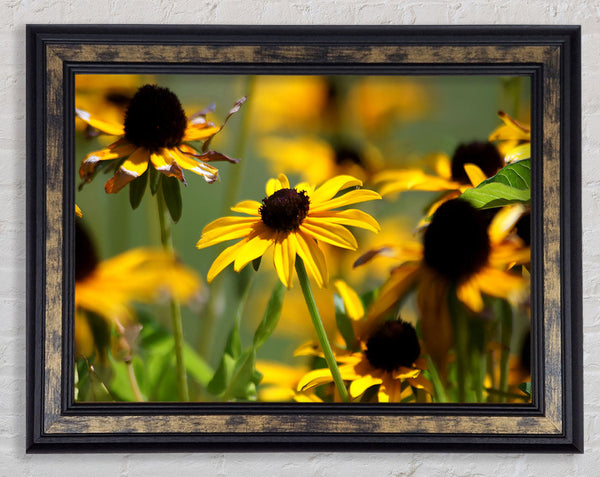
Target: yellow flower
<point>458,251</point>
<point>290,102</point>
<point>316,160</point>
<point>514,139</point>
<point>388,358</point>
<point>110,94</point>
<point>155,130</point>
<point>291,221</point>
<point>279,383</point>
<point>108,288</point>
<point>376,101</point>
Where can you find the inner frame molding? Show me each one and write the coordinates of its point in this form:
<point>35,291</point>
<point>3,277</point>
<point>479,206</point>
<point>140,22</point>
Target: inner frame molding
<point>550,56</point>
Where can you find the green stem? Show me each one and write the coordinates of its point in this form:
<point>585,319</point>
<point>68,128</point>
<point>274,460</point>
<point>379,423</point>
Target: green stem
<point>176,321</point>
<point>439,392</point>
<point>320,329</point>
<point>461,345</point>
<point>133,381</point>
<point>505,338</point>
<point>213,306</point>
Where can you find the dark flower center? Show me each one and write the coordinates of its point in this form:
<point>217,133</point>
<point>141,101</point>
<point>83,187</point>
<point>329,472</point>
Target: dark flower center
<point>346,156</point>
<point>393,345</point>
<point>482,154</point>
<point>155,119</point>
<point>284,210</point>
<point>456,242</point>
<point>86,259</point>
<point>524,228</point>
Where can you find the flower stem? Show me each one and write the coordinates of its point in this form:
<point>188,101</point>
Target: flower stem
<point>461,345</point>
<point>505,337</point>
<point>320,329</point>
<point>133,381</point>
<point>176,321</point>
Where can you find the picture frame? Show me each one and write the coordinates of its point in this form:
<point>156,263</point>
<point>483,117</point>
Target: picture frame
<point>548,55</point>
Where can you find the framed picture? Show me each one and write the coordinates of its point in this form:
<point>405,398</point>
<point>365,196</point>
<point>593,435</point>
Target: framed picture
<point>294,238</point>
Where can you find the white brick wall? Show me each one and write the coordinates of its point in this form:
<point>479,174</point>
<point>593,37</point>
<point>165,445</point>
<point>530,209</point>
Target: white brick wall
<point>14,14</point>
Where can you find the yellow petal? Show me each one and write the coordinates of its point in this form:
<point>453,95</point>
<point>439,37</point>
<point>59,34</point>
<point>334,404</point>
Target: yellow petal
<point>501,284</point>
<point>468,292</point>
<point>353,217</point>
<point>225,228</point>
<point>163,163</point>
<point>249,207</point>
<point>199,131</point>
<point>314,378</point>
<point>284,258</point>
<point>329,233</point>
<point>331,187</point>
<point>78,212</point>
<point>112,129</point>
<point>519,153</point>
<point>208,172</point>
<point>117,150</point>
<point>312,256</point>
<point>504,221</point>
<point>132,168</point>
<point>360,385</point>
<point>225,258</point>
<point>255,247</point>
<point>352,303</point>
<point>352,197</point>
<point>475,174</point>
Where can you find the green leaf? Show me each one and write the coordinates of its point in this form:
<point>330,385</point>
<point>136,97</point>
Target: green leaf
<point>271,316</point>
<point>172,195</point>
<point>512,184</point>
<point>154,179</point>
<point>196,367</point>
<point>137,187</point>
<point>241,385</point>
<point>526,388</point>
<point>233,347</point>
<point>343,322</point>
<point>222,377</point>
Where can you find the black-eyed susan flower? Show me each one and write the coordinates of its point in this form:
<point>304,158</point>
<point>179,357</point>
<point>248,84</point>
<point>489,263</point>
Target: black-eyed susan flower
<point>317,160</point>
<point>459,251</point>
<point>513,137</point>
<point>155,131</point>
<point>291,222</point>
<point>108,288</point>
<point>387,362</point>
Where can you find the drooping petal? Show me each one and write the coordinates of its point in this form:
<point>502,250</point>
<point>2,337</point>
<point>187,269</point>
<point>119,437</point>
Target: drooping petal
<point>315,378</point>
<point>475,174</point>
<point>400,282</point>
<point>504,221</point>
<point>112,129</point>
<point>353,217</point>
<point>225,258</point>
<point>501,284</point>
<point>352,303</point>
<point>313,257</point>
<point>421,382</point>
<point>284,258</point>
<point>352,197</point>
<point>132,168</point>
<point>331,187</point>
<point>210,173</point>
<point>432,302</point>
<point>117,150</point>
<point>164,163</point>
<point>360,385</point>
<point>468,292</point>
<point>249,207</point>
<point>329,233</point>
<point>256,246</point>
<point>199,131</point>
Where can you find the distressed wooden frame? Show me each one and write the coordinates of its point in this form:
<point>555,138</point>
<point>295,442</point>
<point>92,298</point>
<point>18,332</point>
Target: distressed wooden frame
<point>549,55</point>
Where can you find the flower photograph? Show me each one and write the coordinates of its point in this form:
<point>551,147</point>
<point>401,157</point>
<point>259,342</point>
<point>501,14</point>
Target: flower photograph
<point>308,239</point>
